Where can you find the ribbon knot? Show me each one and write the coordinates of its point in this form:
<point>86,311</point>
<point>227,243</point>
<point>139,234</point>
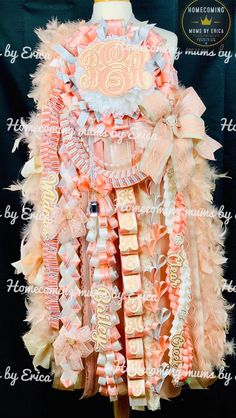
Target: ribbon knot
<point>71,341</point>
<point>101,184</point>
<point>69,214</point>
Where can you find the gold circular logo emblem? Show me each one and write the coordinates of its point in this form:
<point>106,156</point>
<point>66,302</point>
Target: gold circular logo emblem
<point>206,23</point>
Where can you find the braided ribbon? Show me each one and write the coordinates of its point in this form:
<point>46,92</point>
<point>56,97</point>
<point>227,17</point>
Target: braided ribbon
<point>179,129</point>
<point>101,251</point>
<point>49,182</point>
<point>68,222</point>
<point>179,290</point>
<point>133,307</point>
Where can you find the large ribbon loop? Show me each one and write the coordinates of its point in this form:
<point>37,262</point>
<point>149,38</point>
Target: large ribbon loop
<point>68,223</point>
<point>41,350</point>
<point>175,135</point>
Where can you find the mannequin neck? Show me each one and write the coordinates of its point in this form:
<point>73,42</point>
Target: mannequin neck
<point>109,10</point>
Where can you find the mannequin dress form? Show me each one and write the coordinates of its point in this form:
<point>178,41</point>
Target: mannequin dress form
<point>118,133</point>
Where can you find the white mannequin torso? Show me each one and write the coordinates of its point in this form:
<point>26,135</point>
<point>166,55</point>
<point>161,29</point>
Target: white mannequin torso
<point>108,10</point>
<point>122,10</point>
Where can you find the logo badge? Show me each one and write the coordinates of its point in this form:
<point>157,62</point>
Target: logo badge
<point>206,23</point>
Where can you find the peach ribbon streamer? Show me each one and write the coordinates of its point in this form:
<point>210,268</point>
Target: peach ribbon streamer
<point>83,37</point>
<point>149,245</point>
<point>179,293</point>
<point>156,358</point>
<point>159,291</point>
<point>157,355</point>
<point>87,34</point>
<point>176,128</point>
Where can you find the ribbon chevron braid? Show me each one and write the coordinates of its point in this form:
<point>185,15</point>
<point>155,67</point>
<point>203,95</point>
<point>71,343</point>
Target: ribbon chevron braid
<point>101,250</point>
<point>133,307</point>
<point>179,289</point>
<point>51,167</point>
<point>73,341</point>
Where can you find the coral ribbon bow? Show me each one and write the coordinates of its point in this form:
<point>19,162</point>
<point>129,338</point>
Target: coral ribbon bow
<point>69,348</point>
<point>175,135</point>
<point>101,184</point>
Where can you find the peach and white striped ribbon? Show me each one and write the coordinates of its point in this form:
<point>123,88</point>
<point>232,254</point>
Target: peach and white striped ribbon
<point>51,167</point>
<point>70,299</point>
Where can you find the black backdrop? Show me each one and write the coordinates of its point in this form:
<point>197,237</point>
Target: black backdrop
<point>215,82</point>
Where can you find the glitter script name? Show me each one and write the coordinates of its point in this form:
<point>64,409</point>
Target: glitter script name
<point>49,198</point>
<point>175,261</point>
<point>102,297</point>
<point>177,343</point>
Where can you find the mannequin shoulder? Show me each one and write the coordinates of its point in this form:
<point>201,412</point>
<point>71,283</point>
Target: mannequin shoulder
<point>55,32</point>
<point>171,40</point>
